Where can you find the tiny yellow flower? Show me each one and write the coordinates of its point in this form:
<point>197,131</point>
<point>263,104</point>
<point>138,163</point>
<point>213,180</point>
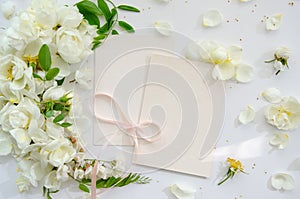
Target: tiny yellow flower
<point>235,166</point>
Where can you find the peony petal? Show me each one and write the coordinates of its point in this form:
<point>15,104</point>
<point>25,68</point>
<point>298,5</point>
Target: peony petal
<point>182,192</point>
<point>273,22</point>
<point>279,140</point>
<point>272,95</point>
<point>219,55</point>
<point>212,18</point>
<point>223,71</point>
<point>283,181</point>
<point>247,116</point>
<point>244,73</point>
<point>163,27</point>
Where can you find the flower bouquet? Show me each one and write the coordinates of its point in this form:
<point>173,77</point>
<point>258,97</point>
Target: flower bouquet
<point>40,54</point>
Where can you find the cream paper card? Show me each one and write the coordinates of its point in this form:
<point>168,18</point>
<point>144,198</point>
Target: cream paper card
<point>178,98</point>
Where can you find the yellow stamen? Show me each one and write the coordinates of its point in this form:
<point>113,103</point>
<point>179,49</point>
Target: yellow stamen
<point>9,75</point>
<point>235,164</point>
<point>29,59</point>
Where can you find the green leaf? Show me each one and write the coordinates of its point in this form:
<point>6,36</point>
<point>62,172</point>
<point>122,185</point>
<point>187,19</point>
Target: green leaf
<point>84,188</point>
<point>60,81</point>
<point>37,76</point>
<point>126,26</point>
<point>49,114</point>
<point>65,124</point>
<point>100,37</point>
<point>85,7</point>
<point>52,73</point>
<point>59,118</point>
<point>45,57</point>
<point>92,19</point>
<point>96,44</point>
<point>128,8</point>
<point>105,9</point>
<point>58,107</point>
<point>112,20</point>
<point>114,32</point>
<point>103,29</point>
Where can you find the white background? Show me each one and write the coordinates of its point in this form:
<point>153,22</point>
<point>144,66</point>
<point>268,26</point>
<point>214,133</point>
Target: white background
<point>248,143</point>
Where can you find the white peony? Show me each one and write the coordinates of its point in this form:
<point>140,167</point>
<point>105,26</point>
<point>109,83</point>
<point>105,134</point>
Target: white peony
<point>62,173</point>
<point>69,17</point>
<point>71,46</point>
<point>54,93</point>
<point>59,152</point>
<point>45,13</point>
<point>78,174</point>
<point>286,115</point>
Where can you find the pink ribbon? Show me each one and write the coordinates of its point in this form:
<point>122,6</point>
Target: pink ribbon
<point>135,131</point>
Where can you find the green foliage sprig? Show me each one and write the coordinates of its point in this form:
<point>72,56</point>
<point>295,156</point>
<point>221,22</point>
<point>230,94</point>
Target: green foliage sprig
<point>105,16</point>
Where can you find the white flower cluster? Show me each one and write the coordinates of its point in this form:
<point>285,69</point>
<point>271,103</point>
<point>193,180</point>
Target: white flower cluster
<point>35,111</point>
<point>227,61</point>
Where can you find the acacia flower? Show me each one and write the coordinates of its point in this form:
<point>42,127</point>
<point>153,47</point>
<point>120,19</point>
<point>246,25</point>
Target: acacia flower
<point>235,166</point>
<point>280,60</point>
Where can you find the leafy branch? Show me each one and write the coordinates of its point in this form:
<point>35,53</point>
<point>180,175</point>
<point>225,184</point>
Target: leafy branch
<point>114,182</point>
<point>105,16</point>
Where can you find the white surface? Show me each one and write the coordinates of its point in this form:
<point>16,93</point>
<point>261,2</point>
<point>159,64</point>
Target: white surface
<point>248,143</point>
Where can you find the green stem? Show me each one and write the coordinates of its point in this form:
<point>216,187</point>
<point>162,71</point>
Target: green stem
<point>270,61</point>
<point>229,175</point>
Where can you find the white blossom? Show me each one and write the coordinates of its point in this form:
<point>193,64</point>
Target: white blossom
<point>272,95</point>
<point>279,140</point>
<point>247,115</point>
<point>182,192</point>
<point>8,9</point>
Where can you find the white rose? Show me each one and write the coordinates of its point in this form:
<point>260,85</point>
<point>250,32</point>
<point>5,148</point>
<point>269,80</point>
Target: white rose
<point>62,173</point>
<point>54,93</point>
<point>8,9</point>
<point>286,115</point>
<point>69,17</point>
<point>13,96</point>
<point>45,13</point>
<point>19,116</point>
<point>70,45</point>
<point>51,181</point>
<point>13,69</point>
<point>60,151</point>
<point>5,143</point>
<point>23,183</point>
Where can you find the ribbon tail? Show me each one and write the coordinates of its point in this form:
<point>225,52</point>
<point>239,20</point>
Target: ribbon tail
<point>94,179</point>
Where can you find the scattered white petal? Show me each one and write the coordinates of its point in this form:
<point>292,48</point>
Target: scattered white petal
<point>273,22</point>
<point>212,18</point>
<point>8,9</point>
<point>163,27</point>
<point>244,73</point>
<point>247,116</point>
<point>235,53</point>
<point>245,0</point>
<point>224,71</point>
<point>192,51</point>
<point>279,140</point>
<point>206,47</point>
<point>283,181</point>
<point>84,77</point>
<point>272,95</point>
<point>182,192</point>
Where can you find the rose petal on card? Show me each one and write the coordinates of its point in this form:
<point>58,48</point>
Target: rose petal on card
<point>244,73</point>
<point>283,181</point>
<point>279,140</point>
<point>163,27</point>
<point>212,18</point>
<point>273,22</point>
<point>247,115</point>
<point>272,95</point>
<point>182,192</point>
